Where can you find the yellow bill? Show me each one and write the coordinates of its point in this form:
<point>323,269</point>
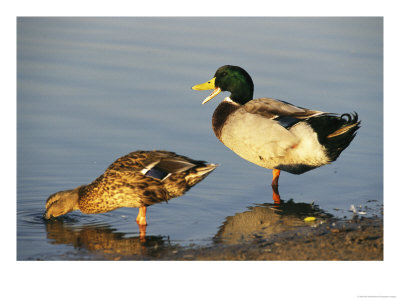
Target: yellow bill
<point>209,85</point>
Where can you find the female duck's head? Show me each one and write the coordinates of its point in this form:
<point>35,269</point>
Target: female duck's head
<point>232,79</point>
<point>62,203</point>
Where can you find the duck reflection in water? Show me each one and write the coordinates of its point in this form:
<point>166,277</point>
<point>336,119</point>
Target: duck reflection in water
<point>138,179</point>
<point>268,219</point>
<point>105,243</point>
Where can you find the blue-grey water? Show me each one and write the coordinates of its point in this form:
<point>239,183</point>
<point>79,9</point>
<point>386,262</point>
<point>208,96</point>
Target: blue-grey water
<point>92,89</point>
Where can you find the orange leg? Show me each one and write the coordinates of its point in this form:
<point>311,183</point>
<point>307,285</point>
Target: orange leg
<point>275,195</point>
<point>141,217</point>
<point>142,233</point>
<point>275,176</point>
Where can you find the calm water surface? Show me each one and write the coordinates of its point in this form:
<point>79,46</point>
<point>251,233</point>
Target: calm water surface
<point>93,89</point>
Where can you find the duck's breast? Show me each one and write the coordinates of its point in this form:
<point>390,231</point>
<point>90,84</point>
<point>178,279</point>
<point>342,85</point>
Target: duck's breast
<point>256,138</point>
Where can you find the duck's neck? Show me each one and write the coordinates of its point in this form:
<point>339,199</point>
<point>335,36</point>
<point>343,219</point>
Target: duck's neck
<point>221,114</point>
<point>242,93</point>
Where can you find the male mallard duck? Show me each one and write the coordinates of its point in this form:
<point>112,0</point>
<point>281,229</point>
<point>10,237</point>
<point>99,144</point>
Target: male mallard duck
<point>275,134</point>
<point>139,179</point>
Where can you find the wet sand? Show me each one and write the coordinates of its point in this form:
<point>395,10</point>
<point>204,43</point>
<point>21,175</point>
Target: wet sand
<point>358,239</point>
<point>345,240</point>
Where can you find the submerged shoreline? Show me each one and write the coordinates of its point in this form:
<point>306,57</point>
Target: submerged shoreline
<point>358,239</point>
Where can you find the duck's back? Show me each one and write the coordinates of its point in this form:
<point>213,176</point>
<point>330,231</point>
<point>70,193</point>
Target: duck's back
<point>140,178</point>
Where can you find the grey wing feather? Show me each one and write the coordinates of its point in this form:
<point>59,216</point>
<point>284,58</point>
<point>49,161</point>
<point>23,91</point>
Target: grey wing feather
<point>169,162</point>
<point>272,108</point>
<point>174,165</point>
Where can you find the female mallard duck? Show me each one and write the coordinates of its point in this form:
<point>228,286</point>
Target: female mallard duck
<point>275,134</point>
<point>139,179</point>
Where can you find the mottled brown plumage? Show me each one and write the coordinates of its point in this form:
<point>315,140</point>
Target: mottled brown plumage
<point>139,179</point>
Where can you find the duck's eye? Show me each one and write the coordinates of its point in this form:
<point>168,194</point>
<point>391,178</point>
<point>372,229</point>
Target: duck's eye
<point>224,73</point>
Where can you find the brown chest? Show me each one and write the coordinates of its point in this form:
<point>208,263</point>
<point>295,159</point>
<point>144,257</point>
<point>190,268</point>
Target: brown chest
<point>221,114</point>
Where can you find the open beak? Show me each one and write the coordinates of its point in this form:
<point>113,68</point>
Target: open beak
<point>209,85</point>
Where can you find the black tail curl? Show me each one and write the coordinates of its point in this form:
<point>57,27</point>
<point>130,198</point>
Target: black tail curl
<point>335,133</point>
<point>351,118</point>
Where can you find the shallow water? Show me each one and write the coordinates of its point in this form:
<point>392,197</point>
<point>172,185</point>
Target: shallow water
<point>93,89</point>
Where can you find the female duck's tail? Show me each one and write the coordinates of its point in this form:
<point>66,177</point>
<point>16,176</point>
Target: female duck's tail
<point>199,173</point>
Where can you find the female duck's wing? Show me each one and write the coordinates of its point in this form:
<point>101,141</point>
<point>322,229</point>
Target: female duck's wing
<point>157,164</point>
<point>285,113</point>
<point>170,162</point>
<point>176,164</point>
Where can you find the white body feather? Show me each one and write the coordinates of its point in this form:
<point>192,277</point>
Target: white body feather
<point>264,142</point>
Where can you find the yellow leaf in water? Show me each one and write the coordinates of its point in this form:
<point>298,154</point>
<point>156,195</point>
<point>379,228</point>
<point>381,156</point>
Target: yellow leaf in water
<point>309,219</point>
